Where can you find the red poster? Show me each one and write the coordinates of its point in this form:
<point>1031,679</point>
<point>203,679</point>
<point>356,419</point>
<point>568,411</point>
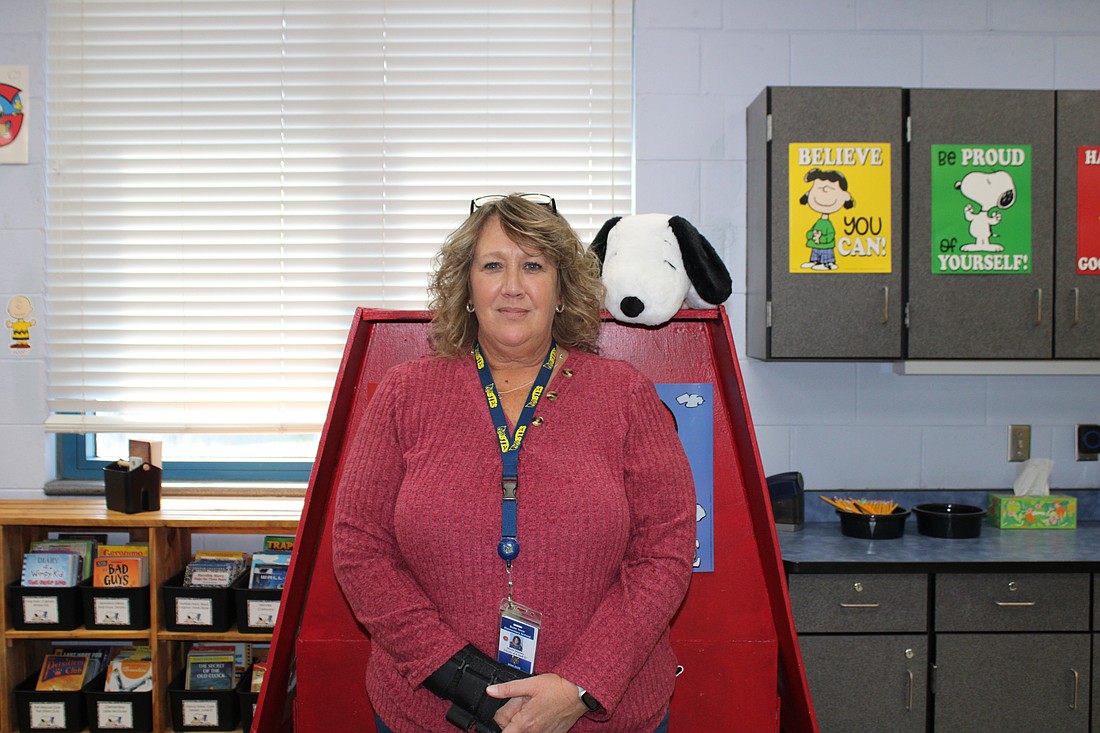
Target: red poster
<point>1088,210</point>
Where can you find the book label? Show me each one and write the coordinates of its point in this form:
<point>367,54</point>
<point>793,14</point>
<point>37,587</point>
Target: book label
<point>47,715</point>
<point>263,614</point>
<point>111,611</point>
<point>200,713</point>
<point>114,714</point>
<point>194,611</point>
<point>41,610</point>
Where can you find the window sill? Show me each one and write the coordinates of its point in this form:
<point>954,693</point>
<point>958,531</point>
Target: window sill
<point>68,487</point>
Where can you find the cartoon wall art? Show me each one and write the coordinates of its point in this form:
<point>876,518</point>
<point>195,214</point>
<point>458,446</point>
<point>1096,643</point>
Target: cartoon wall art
<point>19,321</point>
<point>981,209</point>
<point>1088,210</point>
<point>692,408</point>
<point>839,199</point>
<point>13,114</point>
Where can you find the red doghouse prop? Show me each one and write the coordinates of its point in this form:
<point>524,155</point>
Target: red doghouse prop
<point>734,635</point>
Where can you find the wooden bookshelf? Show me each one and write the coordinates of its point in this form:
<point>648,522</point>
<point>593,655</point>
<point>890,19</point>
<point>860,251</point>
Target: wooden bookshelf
<point>169,533</point>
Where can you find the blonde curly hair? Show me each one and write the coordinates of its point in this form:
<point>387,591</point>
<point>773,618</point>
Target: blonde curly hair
<point>533,226</point>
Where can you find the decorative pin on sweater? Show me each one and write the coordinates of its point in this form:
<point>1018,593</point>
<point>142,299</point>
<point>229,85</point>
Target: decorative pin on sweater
<point>655,263</point>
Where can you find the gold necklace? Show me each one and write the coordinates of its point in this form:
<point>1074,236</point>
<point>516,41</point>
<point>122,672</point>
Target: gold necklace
<point>513,389</point>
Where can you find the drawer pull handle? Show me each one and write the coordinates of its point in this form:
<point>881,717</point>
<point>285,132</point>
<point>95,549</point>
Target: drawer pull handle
<point>859,605</point>
<point>1016,604</point>
<point>909,703</point>
<point>1076,680</point>
<point>885,303</point>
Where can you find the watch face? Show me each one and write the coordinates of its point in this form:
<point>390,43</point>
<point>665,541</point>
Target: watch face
<point>589,702</point>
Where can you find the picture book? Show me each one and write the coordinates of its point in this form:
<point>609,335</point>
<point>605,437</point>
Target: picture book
<point>96,655</point>
<point>269,569</point>
<point>258,671</point>
<point>62,672</point>
<point>278,543</point>
<point>270,577</point>
<point>50,569</point>
<point>210,671</point>
<point>127,674</point>
<point>133,652</point>
<point>242,653</point>
<point>120,572</point>
<point>122,550</point>
<point>83,548</point>
<point>209,574</point>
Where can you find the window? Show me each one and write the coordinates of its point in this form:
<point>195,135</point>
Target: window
<point>229,180</point>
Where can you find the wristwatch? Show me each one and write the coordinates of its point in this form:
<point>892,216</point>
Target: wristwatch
<point>589,701</point>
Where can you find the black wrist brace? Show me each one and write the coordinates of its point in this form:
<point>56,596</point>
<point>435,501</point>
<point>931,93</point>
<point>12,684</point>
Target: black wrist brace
<point>463,680</point>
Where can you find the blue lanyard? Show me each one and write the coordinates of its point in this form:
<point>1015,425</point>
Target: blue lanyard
<point>508,547</point>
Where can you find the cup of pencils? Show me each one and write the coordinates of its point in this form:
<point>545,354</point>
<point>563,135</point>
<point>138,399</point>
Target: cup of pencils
<point>870,520</point>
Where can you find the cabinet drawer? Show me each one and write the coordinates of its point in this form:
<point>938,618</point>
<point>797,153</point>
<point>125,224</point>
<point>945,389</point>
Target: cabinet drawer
<point>853,603</point>
<point>1012,602</point>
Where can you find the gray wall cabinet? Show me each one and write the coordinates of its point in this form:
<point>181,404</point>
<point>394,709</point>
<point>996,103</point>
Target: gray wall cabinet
<point>1076,282</point>
<point>796,310</point>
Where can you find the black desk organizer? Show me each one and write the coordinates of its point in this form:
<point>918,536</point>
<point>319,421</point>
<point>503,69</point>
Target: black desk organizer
<point>196,609</point>
<point>58,608</point>
<point>202,709</point>
<point>132,490</point>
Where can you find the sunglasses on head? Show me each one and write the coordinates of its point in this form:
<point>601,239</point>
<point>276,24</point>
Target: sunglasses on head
<point>536,198</point>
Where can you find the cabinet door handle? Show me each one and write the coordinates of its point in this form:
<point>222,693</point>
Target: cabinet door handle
<point>1076,681</point>
<point>859,605</point>
<point>909,702</point>
<point>885,303</point>
<point>1038,306</point>
<point>1076,305</point>
<point>1016,604</point>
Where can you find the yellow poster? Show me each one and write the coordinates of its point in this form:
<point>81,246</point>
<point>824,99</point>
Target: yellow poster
<point>840,207</point>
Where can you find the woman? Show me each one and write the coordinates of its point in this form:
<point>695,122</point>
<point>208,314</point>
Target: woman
<point>440,556</point>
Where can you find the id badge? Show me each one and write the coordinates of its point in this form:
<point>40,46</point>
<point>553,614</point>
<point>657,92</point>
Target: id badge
<point>519,636</point>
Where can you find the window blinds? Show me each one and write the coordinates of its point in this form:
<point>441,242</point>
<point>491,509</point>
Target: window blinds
<point>228,180</point>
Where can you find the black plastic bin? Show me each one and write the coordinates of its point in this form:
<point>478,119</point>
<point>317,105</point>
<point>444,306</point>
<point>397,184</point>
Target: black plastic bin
<point>131,712</point>
<point>257,609</point>
<point>196,609</point>
<point>44,608</point>
<point>247,699</point>
<point>37,710</point>
<point>202,709</point>
<point>115,608</point>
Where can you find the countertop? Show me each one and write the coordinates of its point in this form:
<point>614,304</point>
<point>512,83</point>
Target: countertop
<point>820,548</point>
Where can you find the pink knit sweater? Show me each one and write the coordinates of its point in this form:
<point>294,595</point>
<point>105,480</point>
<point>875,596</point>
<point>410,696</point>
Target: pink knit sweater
<point>606,529</point>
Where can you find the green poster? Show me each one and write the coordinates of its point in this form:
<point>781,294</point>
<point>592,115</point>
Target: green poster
<point>981,210</point>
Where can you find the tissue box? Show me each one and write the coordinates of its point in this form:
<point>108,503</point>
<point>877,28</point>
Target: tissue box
<point>1008,511</point>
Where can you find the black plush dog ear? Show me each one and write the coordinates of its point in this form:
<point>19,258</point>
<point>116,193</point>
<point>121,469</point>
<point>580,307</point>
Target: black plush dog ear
<point>599,244</point>
<point>705,269</point>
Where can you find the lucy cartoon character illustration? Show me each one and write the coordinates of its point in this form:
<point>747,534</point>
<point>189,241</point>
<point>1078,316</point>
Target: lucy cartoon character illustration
<point>19,308</point>
<point>991,192</point>
<point>828,194</point>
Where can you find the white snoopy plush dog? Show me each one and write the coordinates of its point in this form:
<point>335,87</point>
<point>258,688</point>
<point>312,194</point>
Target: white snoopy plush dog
<point>990,191</point>
<point>655,263</point>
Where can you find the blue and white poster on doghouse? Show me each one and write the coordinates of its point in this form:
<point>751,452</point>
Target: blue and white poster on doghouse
<point>692,407</point>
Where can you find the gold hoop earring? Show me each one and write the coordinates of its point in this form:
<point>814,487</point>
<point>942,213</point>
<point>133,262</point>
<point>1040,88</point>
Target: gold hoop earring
<point>469,307</point>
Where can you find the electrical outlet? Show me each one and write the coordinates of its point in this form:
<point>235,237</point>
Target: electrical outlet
<point>1019,443</point>
<point>1088,442</point>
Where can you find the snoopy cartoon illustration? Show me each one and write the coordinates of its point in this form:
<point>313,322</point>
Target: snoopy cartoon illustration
<point>991,192</point>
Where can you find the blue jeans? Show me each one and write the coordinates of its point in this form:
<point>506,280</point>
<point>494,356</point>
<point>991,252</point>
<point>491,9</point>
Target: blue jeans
<point>662,728</point>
